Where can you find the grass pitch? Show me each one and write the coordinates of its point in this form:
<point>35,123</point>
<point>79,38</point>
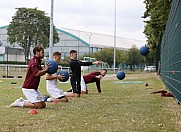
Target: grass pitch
<point>119,108</point>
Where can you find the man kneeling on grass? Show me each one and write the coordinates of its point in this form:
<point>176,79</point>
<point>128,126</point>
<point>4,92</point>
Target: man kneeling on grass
<point>30,87</point>
<point>57,94</point>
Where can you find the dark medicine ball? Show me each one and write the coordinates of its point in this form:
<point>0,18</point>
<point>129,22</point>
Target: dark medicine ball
<point>144,50</point>
<point>65,74</point>
<point>53,66</point>
<point>120,75</point>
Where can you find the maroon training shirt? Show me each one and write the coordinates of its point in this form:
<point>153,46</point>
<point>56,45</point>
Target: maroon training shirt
<point>31,81</point>
<point>91,77</point>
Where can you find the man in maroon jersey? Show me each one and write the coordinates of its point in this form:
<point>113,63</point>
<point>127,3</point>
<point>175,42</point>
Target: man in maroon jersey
<point>90,78</point>
<point>32,80</point>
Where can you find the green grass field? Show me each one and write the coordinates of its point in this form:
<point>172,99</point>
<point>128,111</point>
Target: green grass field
<point>119,108</point>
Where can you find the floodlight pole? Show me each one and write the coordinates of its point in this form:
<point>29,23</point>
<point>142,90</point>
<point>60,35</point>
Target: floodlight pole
<point>115,37</point>
<point>7,70</point>
<point>51,33</point>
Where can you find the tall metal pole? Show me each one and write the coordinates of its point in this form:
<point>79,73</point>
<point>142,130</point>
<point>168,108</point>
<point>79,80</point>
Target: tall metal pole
<point>7,70</point>
<point>115,37</point>
<point>51,33</point>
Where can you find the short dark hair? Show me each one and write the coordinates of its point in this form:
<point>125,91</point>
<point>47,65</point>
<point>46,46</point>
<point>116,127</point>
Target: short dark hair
<point>105,70</point>
<point>56,53</point>
<point>37,48</point>
<point>73,51</point>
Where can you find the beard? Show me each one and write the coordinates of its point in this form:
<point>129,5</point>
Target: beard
<point>41,57</point>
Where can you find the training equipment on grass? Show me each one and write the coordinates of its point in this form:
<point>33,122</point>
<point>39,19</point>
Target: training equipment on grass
<point>144,50</point>
<point>120,75</point>
<point>65,74</point>
<point>53,66</point>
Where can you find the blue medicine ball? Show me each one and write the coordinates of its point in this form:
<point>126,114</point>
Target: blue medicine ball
<point>144,50</point>
<point>120,75</point>
<point>53,66</point>
<point>65,74</point>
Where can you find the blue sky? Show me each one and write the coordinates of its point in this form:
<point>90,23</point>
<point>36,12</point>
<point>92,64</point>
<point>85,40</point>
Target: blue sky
<point>96,15</point>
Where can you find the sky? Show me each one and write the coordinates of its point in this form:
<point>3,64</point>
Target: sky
<point>96,16</point>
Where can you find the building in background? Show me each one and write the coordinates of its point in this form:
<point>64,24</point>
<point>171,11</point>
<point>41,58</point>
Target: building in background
<point>83,42</point>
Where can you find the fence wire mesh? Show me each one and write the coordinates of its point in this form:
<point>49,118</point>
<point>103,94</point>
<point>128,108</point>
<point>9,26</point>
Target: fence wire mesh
<point>171,51</point>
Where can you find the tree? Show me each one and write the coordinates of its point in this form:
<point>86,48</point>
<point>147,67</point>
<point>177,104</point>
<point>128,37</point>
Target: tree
<point>107,55</point>
<point>156,16</point>
<point>151,57</point>
<point>30,27</point>
<point>134,57</point>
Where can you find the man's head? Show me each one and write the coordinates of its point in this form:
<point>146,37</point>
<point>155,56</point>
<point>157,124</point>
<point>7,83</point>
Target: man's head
<point>57,56</point>
<point>38,51</point>
<point>73,54</point>
<point>103,72</point>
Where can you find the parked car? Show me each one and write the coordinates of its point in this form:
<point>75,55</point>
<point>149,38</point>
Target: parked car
<point>150,68</point>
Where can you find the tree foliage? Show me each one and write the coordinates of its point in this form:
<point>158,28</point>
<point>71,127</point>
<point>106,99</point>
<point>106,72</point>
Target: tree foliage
<point>130,57</point>
<point>156,16</point>
<point>30,27</point>
<point>134,57</point>
<point>107,55</point>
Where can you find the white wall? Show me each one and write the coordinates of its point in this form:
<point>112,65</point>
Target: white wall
<point>14,57</point>
<point>2,50</point>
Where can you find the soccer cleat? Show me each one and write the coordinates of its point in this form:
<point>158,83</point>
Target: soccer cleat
<point>16,103</point>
